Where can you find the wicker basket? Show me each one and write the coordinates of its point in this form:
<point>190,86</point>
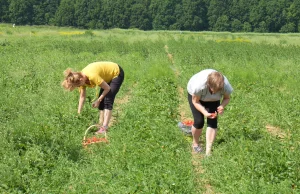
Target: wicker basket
<point>92,140</point>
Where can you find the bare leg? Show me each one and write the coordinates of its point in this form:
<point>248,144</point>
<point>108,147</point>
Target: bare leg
<point>196,135</point>
<point>101,115</point>
<point>107,117</point>
<point>210,138</point>
<point>104,119</point>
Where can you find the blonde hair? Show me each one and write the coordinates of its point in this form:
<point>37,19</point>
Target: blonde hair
<point>215,80</point>
<point>72,79</point>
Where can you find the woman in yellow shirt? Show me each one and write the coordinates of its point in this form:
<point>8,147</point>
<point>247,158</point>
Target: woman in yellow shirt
<point>108,75</point>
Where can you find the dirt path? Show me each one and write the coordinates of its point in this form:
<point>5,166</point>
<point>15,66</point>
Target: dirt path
<point>276,131</point>
<point>185,114</point>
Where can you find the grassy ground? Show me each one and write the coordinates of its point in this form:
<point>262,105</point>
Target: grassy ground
<point>256,150</point>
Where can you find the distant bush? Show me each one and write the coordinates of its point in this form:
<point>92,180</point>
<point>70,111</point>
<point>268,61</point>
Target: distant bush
<point>290,27</point>
<point>89,33</point>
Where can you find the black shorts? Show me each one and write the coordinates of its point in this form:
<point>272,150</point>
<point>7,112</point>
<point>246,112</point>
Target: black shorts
<point>211,107</point>
<point>115,85</point>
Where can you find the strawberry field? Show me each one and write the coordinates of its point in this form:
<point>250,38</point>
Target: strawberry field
<point>257,146</point>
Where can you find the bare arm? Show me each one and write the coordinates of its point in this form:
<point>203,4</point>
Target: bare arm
<point>106,89</point>
<point>225,101</point>
<point>81,99</point>
<point>199,107</point>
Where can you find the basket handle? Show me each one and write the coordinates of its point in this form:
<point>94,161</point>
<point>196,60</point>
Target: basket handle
<point>87,130</point>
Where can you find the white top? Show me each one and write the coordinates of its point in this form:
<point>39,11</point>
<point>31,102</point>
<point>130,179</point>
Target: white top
<point>197,86</point>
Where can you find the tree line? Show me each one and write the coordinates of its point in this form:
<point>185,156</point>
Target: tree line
<point>193,15</point>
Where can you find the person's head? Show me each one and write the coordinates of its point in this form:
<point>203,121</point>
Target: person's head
<point>215,82</point>
<point>72,79</point>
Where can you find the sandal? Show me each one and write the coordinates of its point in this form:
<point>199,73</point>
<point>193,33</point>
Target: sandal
<point>102,130</point>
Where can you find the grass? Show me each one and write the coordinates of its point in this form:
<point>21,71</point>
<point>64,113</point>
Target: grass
<point>247,158</point>
<point>256,150</point>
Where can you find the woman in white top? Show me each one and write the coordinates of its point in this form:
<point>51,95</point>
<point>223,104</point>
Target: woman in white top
<point>208,94</point>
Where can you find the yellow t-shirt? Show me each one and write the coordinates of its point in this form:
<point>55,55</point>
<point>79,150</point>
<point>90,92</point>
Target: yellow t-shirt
<point>99,71</point>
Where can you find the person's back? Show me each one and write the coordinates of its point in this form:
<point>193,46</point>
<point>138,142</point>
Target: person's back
<point>98,71</point>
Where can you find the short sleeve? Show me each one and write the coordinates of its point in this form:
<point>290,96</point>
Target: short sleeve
<point>227,87</point>
<point>98,81</point>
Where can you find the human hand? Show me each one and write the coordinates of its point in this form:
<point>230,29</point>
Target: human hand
<point>96,103</point>
<point>220,110</point>
<point>212,115</point>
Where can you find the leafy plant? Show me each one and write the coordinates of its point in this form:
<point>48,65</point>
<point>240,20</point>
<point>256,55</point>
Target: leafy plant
<point>41,133</point>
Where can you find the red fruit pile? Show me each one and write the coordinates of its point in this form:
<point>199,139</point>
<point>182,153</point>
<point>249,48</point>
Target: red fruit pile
<point>92,140</point>
<point>188,122</point>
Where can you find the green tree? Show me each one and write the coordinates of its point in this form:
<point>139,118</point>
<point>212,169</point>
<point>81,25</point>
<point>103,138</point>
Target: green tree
<point>293,14</point>
<point>275,13</point>
<point>222,24</point>
<point>236,25</point>
<point>262,27</point>
<point>290,27</point>
<point>163,13</point>
<point>247,27</point>
<point>193,15</point>
<point>4,12</point>
<point>257,14</point>
<point>115,14</point>
<point>51,8</point>
<point>44,11</point>
<point>121,13</point>
<point>39,14</point>
<point>21,11</point>
<point>140,15</point>
<point>240,9</point>
<point>218,11</point>
<point>94,20</point>
<point>106,14</point>
<point>269,15</point>
<point>81,15</point>
<point>65,13</point>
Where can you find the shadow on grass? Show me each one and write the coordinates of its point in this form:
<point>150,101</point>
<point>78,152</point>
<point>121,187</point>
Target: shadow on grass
<point>252,134</point>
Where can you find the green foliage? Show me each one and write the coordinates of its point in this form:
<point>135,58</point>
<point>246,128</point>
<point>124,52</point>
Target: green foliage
<point>89,33</point>
<point>290,27</point>
<point>262,27</point>
<point>246,159</point>
<point>21,11</point>
<point>247,27</point>
<point>189,15</point>
<point>192,16</point>
<point>236,26</point>
<point>44,12</point>
<point>41,133</point>
<point>65,14</point>
<point>140,16</point>
<point>4,16</point>
<point>222,24</point>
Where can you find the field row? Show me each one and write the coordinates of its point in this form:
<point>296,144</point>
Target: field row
<point>41,133</point>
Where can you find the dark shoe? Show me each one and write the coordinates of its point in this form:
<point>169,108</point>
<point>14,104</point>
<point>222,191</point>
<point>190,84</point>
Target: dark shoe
<point>197,149</point>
